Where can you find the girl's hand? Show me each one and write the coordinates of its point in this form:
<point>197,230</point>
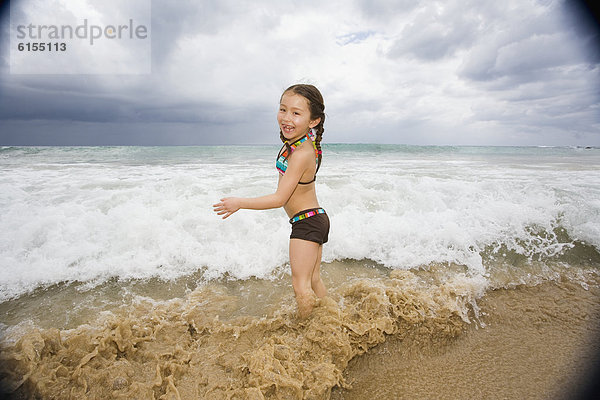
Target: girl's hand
<point>227,206</point>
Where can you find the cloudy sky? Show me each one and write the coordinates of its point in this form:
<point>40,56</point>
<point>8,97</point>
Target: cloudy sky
<point>467,72</point>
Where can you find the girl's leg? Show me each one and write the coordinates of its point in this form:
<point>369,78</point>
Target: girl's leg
<point>316,282</point>
<point>303,257</point>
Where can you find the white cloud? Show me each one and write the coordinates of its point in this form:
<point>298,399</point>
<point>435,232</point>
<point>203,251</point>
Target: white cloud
<point>437,30</point>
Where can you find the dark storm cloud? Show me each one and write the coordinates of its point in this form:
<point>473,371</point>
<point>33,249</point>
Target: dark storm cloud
<point>23,103</point>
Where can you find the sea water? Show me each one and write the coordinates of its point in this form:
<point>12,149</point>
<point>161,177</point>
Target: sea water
<point>130,231</point>
<point>71,214</point>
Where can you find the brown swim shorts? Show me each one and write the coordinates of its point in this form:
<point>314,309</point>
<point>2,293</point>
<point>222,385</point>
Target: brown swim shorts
<point>314,228</point>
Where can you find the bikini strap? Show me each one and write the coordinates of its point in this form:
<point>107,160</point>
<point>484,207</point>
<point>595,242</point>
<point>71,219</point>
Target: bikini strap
<point>291,147</point>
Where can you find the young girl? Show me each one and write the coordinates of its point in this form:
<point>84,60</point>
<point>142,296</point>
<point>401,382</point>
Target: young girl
<point>301,117</point>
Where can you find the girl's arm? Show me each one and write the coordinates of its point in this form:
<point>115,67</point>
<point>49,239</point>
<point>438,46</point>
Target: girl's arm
<point>285,188</point>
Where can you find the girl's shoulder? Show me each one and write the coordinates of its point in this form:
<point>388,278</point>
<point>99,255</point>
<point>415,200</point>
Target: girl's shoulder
<point>304,152</point>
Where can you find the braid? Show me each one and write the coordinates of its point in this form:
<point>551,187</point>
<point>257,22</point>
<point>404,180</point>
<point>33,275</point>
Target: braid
<point>319,135</point>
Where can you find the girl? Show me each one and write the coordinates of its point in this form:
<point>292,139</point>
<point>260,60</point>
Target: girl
<point>301,118</point>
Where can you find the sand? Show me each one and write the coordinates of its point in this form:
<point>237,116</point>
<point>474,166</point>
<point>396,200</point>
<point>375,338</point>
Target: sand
<point>538,343</point>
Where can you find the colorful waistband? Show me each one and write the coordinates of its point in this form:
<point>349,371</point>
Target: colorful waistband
<point>307,214</point>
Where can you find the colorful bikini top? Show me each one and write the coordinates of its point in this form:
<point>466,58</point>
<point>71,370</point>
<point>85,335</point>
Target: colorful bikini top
<point>288,149</point>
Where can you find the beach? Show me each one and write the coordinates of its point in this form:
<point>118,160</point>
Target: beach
<point>453,272</point>
<point>538,343</point>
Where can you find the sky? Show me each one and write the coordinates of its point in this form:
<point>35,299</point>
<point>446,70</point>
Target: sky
<point>417,72</point>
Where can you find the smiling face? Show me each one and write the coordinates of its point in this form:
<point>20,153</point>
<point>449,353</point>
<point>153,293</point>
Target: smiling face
<point>294,116</point>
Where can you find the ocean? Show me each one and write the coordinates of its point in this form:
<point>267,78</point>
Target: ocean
<point>117,279</point>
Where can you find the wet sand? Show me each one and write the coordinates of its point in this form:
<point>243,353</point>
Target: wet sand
<point>538,343</point>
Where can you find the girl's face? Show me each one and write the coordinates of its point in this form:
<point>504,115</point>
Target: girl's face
<point>294,116</point>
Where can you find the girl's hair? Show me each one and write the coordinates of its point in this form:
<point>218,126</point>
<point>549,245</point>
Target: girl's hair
<point>317,110</point>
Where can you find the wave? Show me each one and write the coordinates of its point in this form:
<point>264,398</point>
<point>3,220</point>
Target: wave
<point>188,348</point>
<point>133,220</point>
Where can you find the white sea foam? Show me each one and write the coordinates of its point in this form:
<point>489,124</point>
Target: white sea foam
<point>91,214</point>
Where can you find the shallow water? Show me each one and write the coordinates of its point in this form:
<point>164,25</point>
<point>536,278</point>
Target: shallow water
<point>207,344</point>
<point>242,339</point>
